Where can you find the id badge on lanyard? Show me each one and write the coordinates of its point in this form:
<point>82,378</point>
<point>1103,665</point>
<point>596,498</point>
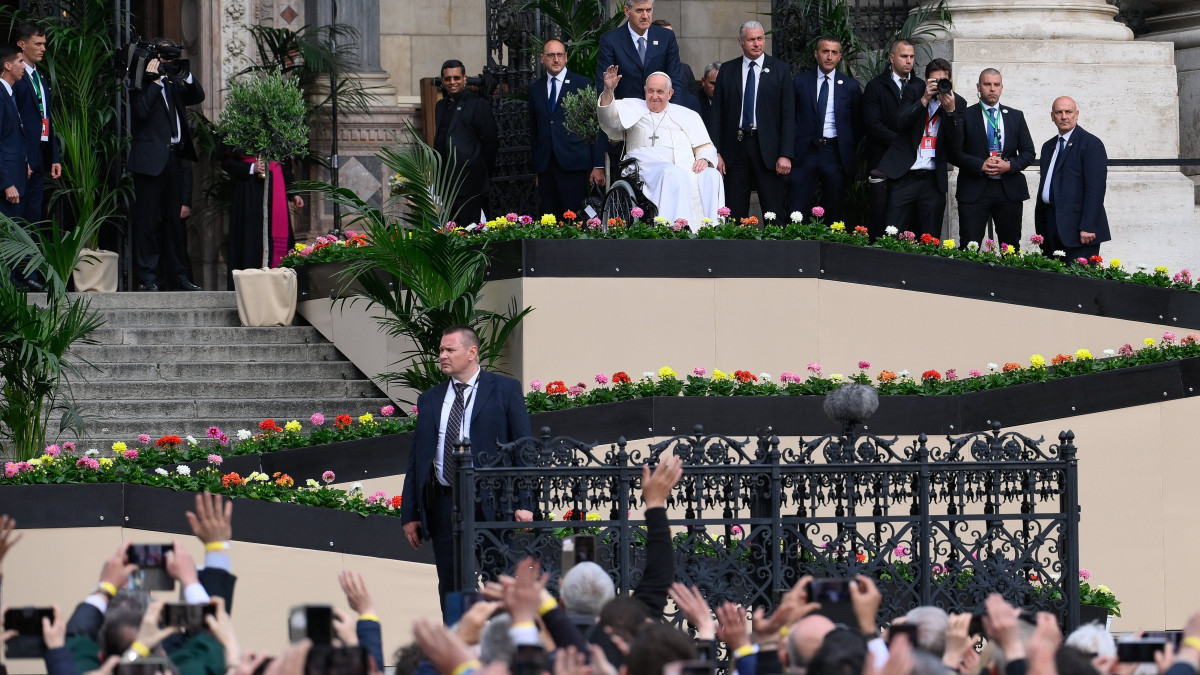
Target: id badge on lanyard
<point>929,140</point>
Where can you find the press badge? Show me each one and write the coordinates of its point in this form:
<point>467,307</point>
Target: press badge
<point>45,129</point>
<point>929,142</point>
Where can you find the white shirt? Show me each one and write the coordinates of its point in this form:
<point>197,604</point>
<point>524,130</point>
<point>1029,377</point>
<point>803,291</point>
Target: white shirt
<point>829,128</point>
<point>637,37</point>
<point>178,131</point>
<point>987,127</point>
<point>447,403</point>
<point>39,89</point>
<point>925,157</point>
<point>1054,158</point>
<point>7,86</point>
<point>758,70</point>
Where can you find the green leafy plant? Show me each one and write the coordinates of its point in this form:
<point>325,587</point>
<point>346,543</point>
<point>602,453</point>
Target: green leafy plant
<point>579,24</point>
<point>579,114</point>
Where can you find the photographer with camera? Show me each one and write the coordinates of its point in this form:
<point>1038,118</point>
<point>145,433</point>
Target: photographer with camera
<point>929,129</point>
<point>162,142</point>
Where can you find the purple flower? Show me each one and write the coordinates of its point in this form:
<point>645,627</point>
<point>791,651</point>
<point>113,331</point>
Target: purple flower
<point>535,385</point>
<point>214,432</point>
<point>317,419</point>
<point>328,476</point>
<point>818,211</point>
<point>601,378</point>
<point>387,411</point>
<point>701,372</point>
<point>215,460</point>
<point>723,212</point>
<point>901,551</point>
<point>636,212</point>
<point>1085,575</point>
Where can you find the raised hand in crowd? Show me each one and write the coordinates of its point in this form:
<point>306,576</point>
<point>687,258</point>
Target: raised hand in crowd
<point>443,649</point>
<point>220,625</point>
<point>212,521</point>
<point>357,595</point>
<point>470,626</point>
<point>958,640</point>
<point>657,484</point>
<point>523,597</point>
<point>732,627</point>
<point>180,565</point>
<point>343,627</point>
<point>695,609</point>
<point>150,633</point>
<point>54,632</point>
<point>1001,625</point>
<point>865,598</point>
<point>116,570</point>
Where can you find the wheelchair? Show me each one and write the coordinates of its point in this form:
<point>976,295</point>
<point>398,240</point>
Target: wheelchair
<point>626,193</point>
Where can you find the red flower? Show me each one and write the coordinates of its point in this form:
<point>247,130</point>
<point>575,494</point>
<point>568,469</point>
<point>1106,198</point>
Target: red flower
<point>571,515</point>
<point>396,501</point>
<point>862,557</point>
<point>343,421</point>
<point>931,375</point>
<point>860,230</point>
<point>232,478</point>
<point>167,441</point>
<point>558,387</point>
<point>1095,260</point>
<point>569,215</point>
<point>620,377</point>
<point>744,376</point>
<point>927,238</point>
<point>268,425</point>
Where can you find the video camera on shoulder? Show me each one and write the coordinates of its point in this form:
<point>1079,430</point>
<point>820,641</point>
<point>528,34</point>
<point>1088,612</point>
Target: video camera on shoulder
<point>139,53</point>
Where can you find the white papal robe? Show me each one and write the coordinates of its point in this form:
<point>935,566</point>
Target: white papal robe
<point>666,146</point>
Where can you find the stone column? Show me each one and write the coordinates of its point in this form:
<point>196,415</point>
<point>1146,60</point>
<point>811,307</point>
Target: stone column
<point>363,15</point>
<point>1127,95</point>
<point>1179,22</point>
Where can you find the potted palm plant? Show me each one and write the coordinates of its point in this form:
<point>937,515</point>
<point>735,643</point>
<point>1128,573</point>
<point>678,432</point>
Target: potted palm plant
<point>265,118</point>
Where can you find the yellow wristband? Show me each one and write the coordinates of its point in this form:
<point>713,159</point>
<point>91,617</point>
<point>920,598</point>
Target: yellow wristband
<point>783,632</point>
<point>1191,641</point>
<point>368,617</point>
<point>524,624</point>
<point>142,650</point>
<point>548,606</point>
<point>743,651</point>
<point>466,666</point>
<point>213,546</point>
<point>108,589</point>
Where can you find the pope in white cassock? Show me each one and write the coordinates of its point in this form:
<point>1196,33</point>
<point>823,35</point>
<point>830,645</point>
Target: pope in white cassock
<point>676,158</point>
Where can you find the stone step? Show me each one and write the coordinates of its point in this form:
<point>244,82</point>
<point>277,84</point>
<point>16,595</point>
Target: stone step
<point>222,370</point>
<point>181,390</point>
<point>144,318</point>
<point>289,335</point>
<point>161,300</point>
<point>103,433</point>
<point>204,410</point>
<point>204,353</point>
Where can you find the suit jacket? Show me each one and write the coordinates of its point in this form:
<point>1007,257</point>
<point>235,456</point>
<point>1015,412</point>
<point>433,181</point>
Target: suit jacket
<point>13,144</point>
<point>153,128</point>
<point>880,110</point>
<point>1076,188</point>
<point>547,135</point>
<point>31,117</point>
<point>774,109</point>
<point>707,113</point>
<point>1016,147</point>
<point>847,115</point>
<point>498,416</point>
<point>910,127</point>
<point>662,55</point>
<point>687,100</point>
<point>473,135</point>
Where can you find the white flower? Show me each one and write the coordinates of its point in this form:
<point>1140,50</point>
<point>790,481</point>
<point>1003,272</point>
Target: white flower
<point>161,471</point>
<point>192,440</point>
<point>1110,352</point>
<point>647,375</point>
<point>903,373</point>
<point>660,220</point>
<point>973,246</point>
<point>1059,254</point>
<point>252,476</point>
<point>262,478</point>
<point>992,367</point>
<point>35,462</point>
<point>765,377</point>
<point>356,486</point>
<point>471,228</point>
<point>796,216</point>
<point>243,434</point>
<point>838,377</point>
<point>769,215</point>
<point>92,453</point>
<point>891,230</point>
<point>312,483</point>
<point>184,470</point>
<point>706,221</point>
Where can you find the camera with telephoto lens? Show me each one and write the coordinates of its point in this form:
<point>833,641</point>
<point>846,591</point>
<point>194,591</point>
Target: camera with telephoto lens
<point>139,53</point>
<point>944,86</point>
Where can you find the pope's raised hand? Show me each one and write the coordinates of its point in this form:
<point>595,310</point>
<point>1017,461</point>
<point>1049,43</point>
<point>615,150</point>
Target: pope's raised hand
<point>611,78</point>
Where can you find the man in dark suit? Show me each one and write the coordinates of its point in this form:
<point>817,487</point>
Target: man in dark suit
<point>482,406</point>
<point>563,162</point>
<point>637,49</point>
<point>996,148</point>
<point>828,125</point>
<point>928,131</point>
<point>161,142</point>
<point>1070,208</point>
<point>466,125</point>
<point>881,108</point>
<point>755,121</point>
<point>14,166</point>
<point>708,87</point>
<point>34,101</point>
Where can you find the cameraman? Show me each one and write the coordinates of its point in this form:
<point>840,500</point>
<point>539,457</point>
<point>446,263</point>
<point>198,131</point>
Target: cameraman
<point>929,130</point>
<point>162,142</point>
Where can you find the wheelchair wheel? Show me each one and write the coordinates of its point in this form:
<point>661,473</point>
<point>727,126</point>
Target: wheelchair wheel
<point>619,201</point>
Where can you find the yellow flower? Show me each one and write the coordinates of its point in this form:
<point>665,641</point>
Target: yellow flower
<point>299,246</point>
<point>548,219</point>
<point>106,462</point>
<point>666,372</point>
<point>1103,589</point>
<point>1114,264</point>
<point>593,516</point>
<point>262,478</point>
<point>1082,354</point>
<point>949,244</point>
<point>1037,361</point>
<point>719,375</point>
<point>312,483</point>
<point>365,418</point>
<point>119,447</point>
<point>293,426</point>
<point>837,377</point>
<point>36,462</point>
<point>1161,269</point>
<point>1149,342</point>
<point>838,227</point>
<point>1009,249</point>
<point>706,221</point>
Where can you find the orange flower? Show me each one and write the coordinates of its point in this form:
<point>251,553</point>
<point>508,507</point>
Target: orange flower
<point>931,375</point>
<point>1060,359</point>
<point>397,500</point>
<point>745,376</point>
<point>1010,366</point>
<point>284,480</point>
<point>752,220</point>
<point>887,376</point>
<point>616,222</point>
<point>862,557</point>
<point>569,215</point>
<point>860,231</point>
<point>232,479</point>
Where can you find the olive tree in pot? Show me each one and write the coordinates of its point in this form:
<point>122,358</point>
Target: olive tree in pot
<point>265,117</point>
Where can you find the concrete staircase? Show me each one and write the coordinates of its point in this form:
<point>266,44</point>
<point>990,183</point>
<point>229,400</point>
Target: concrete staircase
<point>177,363</point>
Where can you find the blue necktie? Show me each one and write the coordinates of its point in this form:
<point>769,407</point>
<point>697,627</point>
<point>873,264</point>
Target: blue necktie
<point>553,93</point>
<point>642,50</point>
<point>822,102</point>
<point>748,100</point>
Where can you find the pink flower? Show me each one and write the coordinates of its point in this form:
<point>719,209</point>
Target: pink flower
<point>451,225</point>
<point>223,439</point>
<point>975,372</point>
<point>525,220</point>
<point>1125,350</point>
<point>214,432</point>
<point>700,372</point>
<point>593,222</point>
<point>377,497</point>
<point>938,569</point>
<point>143,438</point>
<point>908,236</point>
<point>951,374</point>
<point>736,530</point>
<point>88,463</point>
<point>68,446</point>
<point>1168,336</point>
<point>636,212</point>
<point>788,376</point>
<point>601,379</point>
<point>327,477</point>
<point>414,410</point>
<point>131,453</point>
<point>901,551</point>
<point>814,367</point>
<point>22,467</point>
<point>723,212</point>
<point>535,385</point>
<point>1085,575</point>
<point>317,419</point>
<point>817,212</point>
<point>1037,239</point>
<point>680,223</point>
<point>512,217</point>
<point>864,365</point>
<point>574,391</point>
<point>215,460</point>
<point>53,450</point>
<point>10,470</point>
<point>1081,261</point>
<point>387,411</point>
<point>989,244</point>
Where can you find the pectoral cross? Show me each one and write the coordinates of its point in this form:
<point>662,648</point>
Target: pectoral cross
<point>654,138</point>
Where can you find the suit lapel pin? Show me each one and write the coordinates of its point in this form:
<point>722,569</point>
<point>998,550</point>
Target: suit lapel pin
<point>1004,111</point>
<point>766,70</point>
<point>566,82</point>
<point>839,81</point>
<point>655,43</point>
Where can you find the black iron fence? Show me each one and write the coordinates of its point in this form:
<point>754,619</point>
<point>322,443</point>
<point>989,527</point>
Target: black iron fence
<point>991,512</point>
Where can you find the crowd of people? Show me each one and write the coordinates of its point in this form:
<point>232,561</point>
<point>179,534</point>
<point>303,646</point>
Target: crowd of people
<point>750,125</point>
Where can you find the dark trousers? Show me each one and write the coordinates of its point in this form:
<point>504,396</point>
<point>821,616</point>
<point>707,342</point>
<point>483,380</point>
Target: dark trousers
<point>468,206</point>
<point>745,171</point>
<point>878,188</point>
<point>439,508</point>
<point>560,190</point>
<point>821,164</point>
<point>1054,243</point>
<point>1005,213</point>
<point>31,201</point>
<point>158,236</point>
<point>916,204</point>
